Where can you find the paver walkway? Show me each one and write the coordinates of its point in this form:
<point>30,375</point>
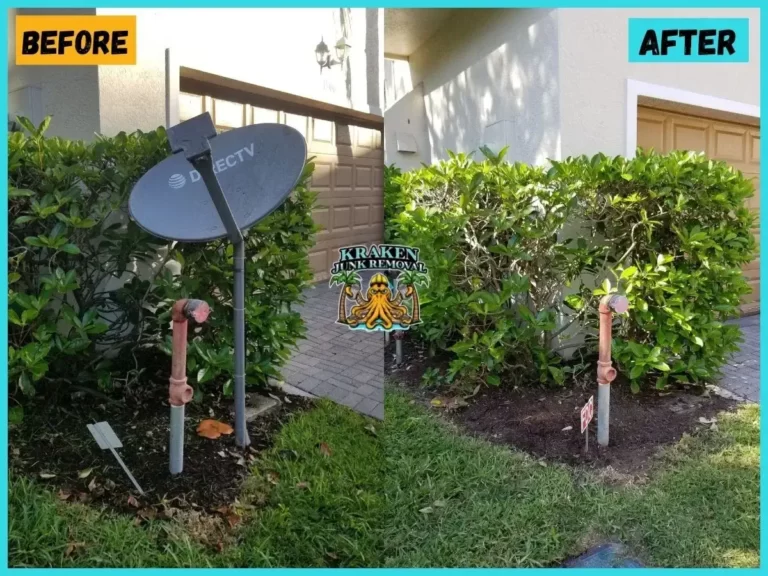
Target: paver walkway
<point>346,366</point>
<point>742,374</point>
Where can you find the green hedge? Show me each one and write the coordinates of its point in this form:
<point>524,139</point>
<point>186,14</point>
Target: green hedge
<point>90,293</point>
<point>519,257</point>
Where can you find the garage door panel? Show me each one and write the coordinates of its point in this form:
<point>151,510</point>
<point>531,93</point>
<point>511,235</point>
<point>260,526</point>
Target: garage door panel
<point>730,144</point>
<point>736,144</point>
<point>650,130</point>
<point>754,147</point>
<point>688,135</point>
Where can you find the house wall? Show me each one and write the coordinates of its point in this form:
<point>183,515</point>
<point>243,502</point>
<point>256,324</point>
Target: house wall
<point>594,69</point>
<point>273,48</point>
<point>488,77</point>
<point>68,93</point>
<point>407,119</point>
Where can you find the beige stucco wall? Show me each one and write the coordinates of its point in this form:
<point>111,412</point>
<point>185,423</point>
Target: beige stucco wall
<point>36,91</point>
<point>273,48</point>
<point>408,118</point>
<point>485,67</point>
<point>594,69</point>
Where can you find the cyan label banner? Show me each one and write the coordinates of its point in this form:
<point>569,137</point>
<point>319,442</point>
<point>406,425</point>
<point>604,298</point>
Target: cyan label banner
<point>689,39</point>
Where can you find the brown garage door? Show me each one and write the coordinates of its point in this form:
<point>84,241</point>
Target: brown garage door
<point>348,177</point>
<point>737,144</point>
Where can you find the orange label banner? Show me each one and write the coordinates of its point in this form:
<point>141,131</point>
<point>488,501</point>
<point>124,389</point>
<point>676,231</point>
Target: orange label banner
<point>75,40</point>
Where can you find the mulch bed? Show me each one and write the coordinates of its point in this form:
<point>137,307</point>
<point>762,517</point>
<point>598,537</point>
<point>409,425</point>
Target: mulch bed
<point>537,419</point>
<point>53,446</point>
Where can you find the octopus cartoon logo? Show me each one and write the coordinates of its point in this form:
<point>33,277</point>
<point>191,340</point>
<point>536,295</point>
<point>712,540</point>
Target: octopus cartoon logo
<point>386,304</point>
<point>381,307</point>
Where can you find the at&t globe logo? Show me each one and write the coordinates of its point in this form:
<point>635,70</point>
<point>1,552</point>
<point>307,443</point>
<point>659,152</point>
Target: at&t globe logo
<point>177,181</point>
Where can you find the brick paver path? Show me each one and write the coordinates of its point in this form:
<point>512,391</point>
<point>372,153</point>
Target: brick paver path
<point>742,374</point>
<point>346,366</point>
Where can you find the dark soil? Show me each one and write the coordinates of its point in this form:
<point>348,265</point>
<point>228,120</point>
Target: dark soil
<point>54,440</point>
<point>537,420</point>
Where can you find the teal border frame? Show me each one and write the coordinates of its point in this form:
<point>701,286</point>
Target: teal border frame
<point>618,4</point>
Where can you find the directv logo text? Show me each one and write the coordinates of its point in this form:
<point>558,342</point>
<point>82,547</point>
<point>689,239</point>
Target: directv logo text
<point>177,181</point>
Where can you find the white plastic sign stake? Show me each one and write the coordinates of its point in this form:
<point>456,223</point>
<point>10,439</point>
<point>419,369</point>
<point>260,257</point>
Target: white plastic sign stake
<point>107,439</point>
<point>586,417</point>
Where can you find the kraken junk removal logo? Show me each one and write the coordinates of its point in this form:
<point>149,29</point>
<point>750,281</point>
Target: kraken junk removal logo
<point>387,304</point>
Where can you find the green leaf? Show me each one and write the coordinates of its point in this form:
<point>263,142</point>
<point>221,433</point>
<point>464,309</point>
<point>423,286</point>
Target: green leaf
<point>19,193</point>
<point>70,249</point>
<point>34,241</point>
<point>16,415</point>
<point>27,125</point>
<point>628,272</point>
<point>493,380</point>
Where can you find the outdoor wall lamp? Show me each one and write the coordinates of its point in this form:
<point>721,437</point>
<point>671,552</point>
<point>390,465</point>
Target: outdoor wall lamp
<point>323,54</point>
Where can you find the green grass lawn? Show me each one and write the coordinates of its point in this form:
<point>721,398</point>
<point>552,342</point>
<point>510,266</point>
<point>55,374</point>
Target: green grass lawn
<point>420,493</point>
<point>458,501</point>
<point>317,508</point>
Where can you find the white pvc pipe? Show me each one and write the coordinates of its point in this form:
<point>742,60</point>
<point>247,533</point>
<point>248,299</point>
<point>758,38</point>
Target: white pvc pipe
<point>176,449</point>
<point>603,413</point>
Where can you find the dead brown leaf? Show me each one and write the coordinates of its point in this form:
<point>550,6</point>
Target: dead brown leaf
<point>92,485</point>
<point>147,513</point>
<point>233,519</point>
<point>273,477</point>
<point>303,485</point>
<point>64,495</point>
<point>325,450</point>
<point>133,502</point>
<point>72,548</point>
<point>213,429</point>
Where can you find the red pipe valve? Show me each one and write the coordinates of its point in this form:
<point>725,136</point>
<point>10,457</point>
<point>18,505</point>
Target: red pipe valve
<point>179,392</point>
<point>606,373</point>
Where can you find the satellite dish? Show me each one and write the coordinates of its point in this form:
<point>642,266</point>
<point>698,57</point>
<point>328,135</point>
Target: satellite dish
<point>257,166</point>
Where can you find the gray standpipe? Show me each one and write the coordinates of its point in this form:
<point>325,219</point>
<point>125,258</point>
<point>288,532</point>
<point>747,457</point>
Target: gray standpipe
<point>606,373</point>
<point>179,392</point>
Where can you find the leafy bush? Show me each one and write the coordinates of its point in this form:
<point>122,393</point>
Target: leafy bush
<point>395,200</point>
<point>503,242</point>
<point>90,293</point>
<point>488,233</point>
<point>680,233</point>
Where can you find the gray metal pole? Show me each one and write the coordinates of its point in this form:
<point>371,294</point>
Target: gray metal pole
<point>241,432</point>
<point>204,165</point>
<point>176,449</point>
